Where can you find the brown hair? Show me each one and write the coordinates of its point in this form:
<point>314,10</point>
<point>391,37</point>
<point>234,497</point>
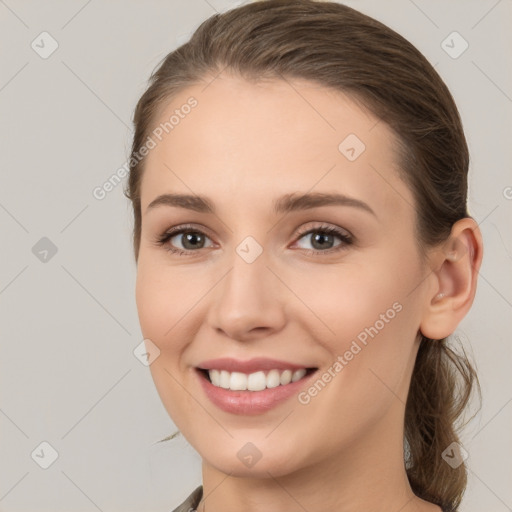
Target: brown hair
<point>341,48</point>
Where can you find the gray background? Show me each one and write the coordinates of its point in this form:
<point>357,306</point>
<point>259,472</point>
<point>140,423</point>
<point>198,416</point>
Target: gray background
<point>69,323</point>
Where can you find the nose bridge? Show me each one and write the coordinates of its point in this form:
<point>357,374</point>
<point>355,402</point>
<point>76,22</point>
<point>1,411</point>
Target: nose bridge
<point>247,297</point>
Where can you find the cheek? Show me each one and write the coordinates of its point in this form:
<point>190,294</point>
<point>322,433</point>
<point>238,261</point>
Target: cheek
<point>163,298</point>
<point>162,304</point>
<point>150,307</point>
<point>346,300</point>
<point>366,314</point>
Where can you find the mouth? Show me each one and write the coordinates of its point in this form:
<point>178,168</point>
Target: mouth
<point>253,382</point>
<point>254,393</point>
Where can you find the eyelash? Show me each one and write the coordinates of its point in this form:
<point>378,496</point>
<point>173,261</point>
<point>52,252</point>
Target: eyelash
<point>346,239</point>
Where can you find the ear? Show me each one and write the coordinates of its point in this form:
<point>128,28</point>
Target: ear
<point>453,280</point>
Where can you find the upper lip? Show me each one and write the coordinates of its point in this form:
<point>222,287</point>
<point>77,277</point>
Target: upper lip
<point>250,366</point>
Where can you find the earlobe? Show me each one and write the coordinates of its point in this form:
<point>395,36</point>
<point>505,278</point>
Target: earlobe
<point>453,280</point>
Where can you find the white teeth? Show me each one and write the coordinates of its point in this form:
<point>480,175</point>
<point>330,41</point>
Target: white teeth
<point>255,381</point>
<point>273,379</point>
<point>298,374</point>
<point>286,377</point>
<point>237,381</point>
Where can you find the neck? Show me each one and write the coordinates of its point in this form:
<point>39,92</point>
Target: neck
<point>368,475</point>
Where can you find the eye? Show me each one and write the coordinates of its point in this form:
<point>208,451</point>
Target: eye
<point>189,237</point>
<point>323,239</point>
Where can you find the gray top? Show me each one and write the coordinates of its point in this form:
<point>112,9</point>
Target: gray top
<point>191,502</point>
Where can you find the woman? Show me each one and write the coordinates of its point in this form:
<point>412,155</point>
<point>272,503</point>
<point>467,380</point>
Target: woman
<point>304,249</point>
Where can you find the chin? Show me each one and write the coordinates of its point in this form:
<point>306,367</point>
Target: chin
<point>245,458</point>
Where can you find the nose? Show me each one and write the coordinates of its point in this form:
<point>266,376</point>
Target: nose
<point>248,301</point>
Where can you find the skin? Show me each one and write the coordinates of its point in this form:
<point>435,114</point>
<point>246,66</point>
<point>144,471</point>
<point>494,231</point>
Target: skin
<point>244,145</point>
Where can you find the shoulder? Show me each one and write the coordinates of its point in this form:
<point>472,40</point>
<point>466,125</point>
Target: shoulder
<point>191,502</point>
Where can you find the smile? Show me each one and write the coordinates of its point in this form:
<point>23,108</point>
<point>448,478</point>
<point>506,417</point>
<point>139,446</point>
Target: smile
<point>257,381</point>
<point>252,394</point>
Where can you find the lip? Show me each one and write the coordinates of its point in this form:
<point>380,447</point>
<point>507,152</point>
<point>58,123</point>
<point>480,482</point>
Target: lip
<point>250,403</point>
<point>252,365</point>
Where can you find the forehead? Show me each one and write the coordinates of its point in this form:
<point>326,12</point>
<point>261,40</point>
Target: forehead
<point>249,142</point>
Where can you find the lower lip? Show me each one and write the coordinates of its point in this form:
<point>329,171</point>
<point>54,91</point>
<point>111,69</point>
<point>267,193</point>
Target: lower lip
<point>250,402</point>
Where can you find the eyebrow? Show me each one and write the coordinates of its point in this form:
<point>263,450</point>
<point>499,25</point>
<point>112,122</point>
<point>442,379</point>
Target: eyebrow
<point>284,204</point>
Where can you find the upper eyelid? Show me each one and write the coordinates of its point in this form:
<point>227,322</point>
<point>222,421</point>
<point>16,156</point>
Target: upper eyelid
<point>183,228</point>
<point>304,231</point>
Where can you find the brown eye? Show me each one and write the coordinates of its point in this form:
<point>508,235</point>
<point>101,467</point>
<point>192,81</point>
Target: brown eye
<point>183,240</point>
<point>190,240</point>
<point>323,239</point>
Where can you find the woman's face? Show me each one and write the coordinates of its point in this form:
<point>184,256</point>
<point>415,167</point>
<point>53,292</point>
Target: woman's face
<point>260,277</point>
